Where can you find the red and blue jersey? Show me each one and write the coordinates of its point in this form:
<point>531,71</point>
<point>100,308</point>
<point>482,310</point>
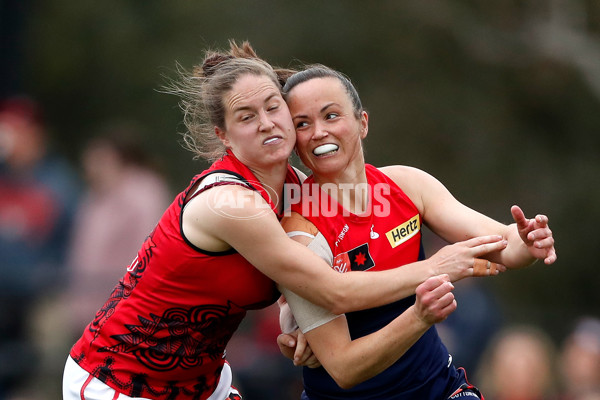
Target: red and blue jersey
<point>387,235</point>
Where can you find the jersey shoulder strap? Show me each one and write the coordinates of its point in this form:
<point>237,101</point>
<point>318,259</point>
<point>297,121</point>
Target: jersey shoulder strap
<point>216,179</point>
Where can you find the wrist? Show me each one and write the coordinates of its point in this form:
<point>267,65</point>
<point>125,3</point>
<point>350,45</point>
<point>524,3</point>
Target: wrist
<point>428,269</point>
<point>419,320</point>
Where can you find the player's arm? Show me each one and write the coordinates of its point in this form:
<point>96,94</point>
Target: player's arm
<point>527,239</point>
<point>213,224</point>
<point>350,362</point>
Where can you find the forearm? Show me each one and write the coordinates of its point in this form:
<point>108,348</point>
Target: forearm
<point>516,254</point>
<point>362,290</point>
<point>365,357</point>
<point>350,291</point>
<point>307,275</point>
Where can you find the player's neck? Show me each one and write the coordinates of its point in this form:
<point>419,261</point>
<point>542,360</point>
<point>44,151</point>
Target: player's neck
<point>349,188</point>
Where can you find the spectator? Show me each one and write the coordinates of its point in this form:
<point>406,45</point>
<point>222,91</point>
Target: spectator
<point>125,198</point>
<point>38,195</point>
<point>125,193</point>
<point>580,361</point>
<point>519,365</point>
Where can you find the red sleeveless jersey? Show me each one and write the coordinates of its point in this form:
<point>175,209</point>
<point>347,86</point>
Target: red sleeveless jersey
<point>386,236</point>
<point>162,333</point>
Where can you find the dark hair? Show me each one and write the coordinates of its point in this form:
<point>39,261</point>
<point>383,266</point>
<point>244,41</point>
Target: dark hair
<point>126,138</point>
<point>202,91</point>
<point>321,71</point>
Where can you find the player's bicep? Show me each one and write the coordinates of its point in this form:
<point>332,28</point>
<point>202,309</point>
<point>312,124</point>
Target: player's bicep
<point>441,211</point>
<point>237,217</point>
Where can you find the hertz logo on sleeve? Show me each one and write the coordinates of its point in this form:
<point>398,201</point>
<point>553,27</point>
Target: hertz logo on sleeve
<point>404,231</point>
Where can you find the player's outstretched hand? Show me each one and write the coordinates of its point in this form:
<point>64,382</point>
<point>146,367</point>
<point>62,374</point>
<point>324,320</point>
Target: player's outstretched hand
<point>536,235</point>
<point>464,259</point>
<point>435,300</point>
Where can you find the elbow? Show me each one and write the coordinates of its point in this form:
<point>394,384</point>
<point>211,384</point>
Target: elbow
<point>346,369</point>
<point>346,384</point>
<point>339,298</point>
<point>344,379</point>
<point>337,302</point>
<point>344,372</point>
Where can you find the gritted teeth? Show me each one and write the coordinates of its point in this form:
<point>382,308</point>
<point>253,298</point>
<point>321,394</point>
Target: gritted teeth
<point>325,148</point>
<point>271,140</point>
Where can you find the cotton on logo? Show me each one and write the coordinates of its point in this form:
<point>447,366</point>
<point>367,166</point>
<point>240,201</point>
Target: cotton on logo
<point>227,202</point>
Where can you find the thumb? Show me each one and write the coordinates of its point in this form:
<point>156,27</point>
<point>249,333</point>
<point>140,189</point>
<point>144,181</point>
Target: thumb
<point>286,340</point>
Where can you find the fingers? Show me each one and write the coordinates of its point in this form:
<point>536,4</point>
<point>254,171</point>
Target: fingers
<point>541,238</point>
<point>432,283</point>
<point>483,267</point>
<point>539,233</point>
<point>551,257</point>
<point>304,355</point>
<point>286,345</point>
<point>435,300</point>
<point>450,306</point>
<point>434,289</point>
<point>303,351</point>
<point>286,340</point>
<point>541,219</point>
<point>487,244</point>
<point>545,243</point>
<point>480,240</point>
<point>519,217</point>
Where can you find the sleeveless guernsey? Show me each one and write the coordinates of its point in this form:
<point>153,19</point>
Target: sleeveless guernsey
<point>163,331</point>
<point>387,236</point>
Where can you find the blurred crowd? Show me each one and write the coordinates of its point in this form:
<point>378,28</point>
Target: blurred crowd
<point>67,233</point>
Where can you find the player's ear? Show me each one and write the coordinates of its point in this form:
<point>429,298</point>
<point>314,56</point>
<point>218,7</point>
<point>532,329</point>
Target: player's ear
<point>364,123</point>
<point>221,134</point>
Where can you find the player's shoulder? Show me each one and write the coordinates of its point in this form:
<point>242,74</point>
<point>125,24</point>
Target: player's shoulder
<point>406,175</point>
<point>400,170</point>
<point>296,222</point>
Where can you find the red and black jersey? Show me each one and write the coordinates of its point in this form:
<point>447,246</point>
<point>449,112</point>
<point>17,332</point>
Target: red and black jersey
<point>162,333</point>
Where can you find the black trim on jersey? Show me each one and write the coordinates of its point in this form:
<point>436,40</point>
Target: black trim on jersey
<point>243,182</point>
<point>216,171</point>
